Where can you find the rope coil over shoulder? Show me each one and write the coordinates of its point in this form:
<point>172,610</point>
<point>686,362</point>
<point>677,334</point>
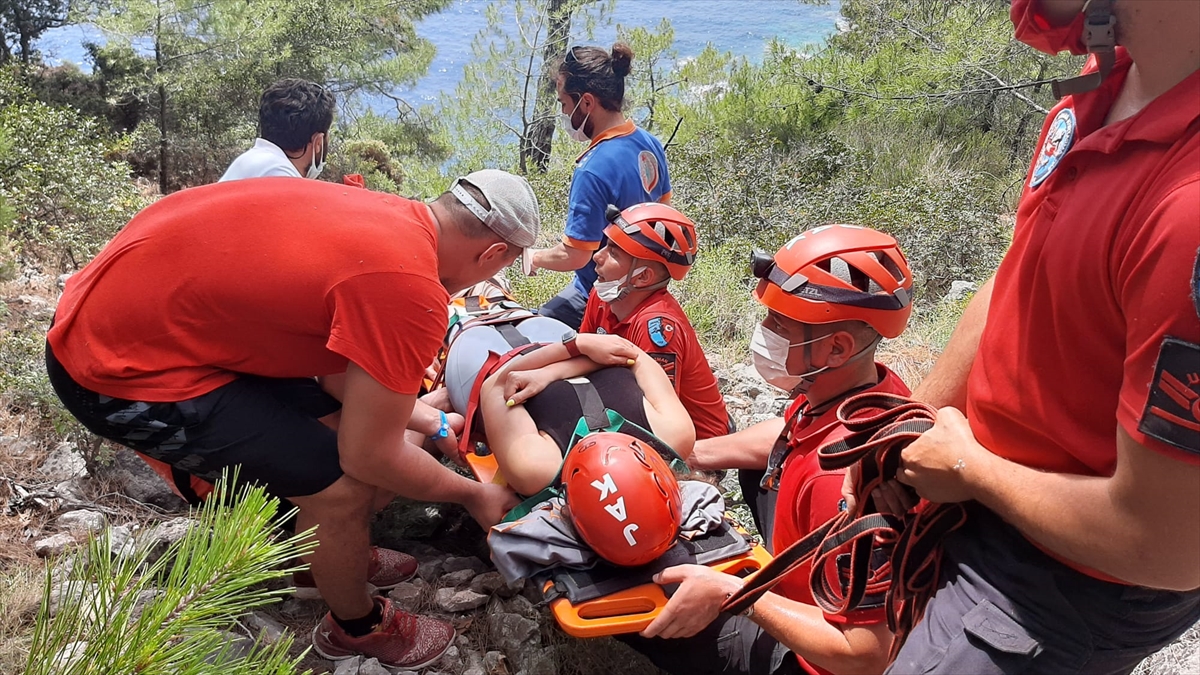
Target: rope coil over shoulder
<point>881,426</point>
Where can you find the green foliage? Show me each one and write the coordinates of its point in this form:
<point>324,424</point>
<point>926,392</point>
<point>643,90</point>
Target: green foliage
<point>23,21</point>
<point>200,586</point>
<point>210,61</point>
<point>67,197</point>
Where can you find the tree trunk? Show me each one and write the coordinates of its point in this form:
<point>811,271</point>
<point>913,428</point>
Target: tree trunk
<point>535,147</point>
<point>162,106</point>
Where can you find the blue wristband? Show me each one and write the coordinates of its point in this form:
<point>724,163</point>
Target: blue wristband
<point>443,430</point>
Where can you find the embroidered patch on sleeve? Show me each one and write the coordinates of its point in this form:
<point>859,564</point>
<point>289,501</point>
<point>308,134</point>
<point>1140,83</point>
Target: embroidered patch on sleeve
<point>661,330</point>
<point>667,361</point>
<point>1172,413</point>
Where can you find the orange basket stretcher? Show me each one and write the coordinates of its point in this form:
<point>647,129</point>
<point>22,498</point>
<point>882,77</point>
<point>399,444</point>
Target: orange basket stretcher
<point>628,610</point>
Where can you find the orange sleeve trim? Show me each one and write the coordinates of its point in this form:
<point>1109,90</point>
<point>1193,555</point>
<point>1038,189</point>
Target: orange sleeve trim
<point>581,245</point>
<point>666,199</point>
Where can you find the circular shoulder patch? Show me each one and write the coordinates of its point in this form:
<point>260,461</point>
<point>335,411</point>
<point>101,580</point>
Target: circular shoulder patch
<point>1058,141</point>
<point>648,170</point>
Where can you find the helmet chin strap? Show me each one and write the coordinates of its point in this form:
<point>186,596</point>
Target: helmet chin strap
<point>1100,37</point>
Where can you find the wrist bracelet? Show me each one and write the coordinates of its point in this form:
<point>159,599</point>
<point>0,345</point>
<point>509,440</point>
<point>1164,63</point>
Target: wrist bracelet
<point>444,429</point>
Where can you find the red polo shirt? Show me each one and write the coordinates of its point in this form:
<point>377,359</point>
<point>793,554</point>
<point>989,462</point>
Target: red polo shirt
<point>809,496</point>
<point>1094,320</point>
<point>270,276</point>
<point>660,328</point>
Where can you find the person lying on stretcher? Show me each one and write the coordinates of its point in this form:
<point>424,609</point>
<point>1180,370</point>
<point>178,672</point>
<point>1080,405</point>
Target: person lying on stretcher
<point>529,408</point>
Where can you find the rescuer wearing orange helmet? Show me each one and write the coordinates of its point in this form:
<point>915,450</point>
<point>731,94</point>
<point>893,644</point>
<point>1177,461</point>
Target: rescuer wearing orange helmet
<point>649,245</point>
<point>831,293</point>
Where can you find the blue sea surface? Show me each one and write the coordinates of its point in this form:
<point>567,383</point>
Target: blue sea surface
<point>743,27</point>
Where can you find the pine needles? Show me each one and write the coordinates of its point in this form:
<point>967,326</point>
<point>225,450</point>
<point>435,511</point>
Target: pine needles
<point>123,614</point>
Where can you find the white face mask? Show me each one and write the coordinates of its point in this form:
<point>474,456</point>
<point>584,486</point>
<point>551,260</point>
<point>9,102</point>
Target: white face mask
<point>770,352</point>
<point>577,135</point>
<point>315,169</point>
<point>608,291</point>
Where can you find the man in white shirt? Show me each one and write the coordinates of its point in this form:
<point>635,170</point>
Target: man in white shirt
<point>294,117</point>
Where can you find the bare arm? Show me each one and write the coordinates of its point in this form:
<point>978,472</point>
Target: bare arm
<point>561,258</point>
<point>671,421</point>
<point>801,628</point>
<point>372,448</point>
<point>946,384</point>
<point>1141,525</point>
<point>747,449</point>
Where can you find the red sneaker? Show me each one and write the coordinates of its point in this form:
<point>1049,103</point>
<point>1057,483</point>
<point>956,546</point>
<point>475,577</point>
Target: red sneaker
<point>387,570</point>
<point>402,640</point>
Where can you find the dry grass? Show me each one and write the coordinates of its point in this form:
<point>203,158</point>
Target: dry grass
<point>20,594</point>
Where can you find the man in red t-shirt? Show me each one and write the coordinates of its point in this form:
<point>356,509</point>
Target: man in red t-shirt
<point>195,335</point>
<point>818,344</point>
<point>1078,367</point>
<point>648,245</point>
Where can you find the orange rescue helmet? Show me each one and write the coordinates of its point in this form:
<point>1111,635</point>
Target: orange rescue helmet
<point>654,231</point>
<point>838,273</point>
<point>623,498</point>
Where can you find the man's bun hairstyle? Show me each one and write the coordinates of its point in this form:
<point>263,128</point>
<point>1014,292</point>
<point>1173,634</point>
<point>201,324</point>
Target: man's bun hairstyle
<point>622,58</point>
<point>591,70</point>
<point>292,110</point>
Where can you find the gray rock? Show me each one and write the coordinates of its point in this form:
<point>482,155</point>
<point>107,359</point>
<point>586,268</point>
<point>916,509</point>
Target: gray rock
<point>144,598</point>
<point>69,589</point>
<point>268,630</point>
<point>53,545</point>
<point>488,583</point>
<point>160,537</point>
<point>62,280</point>
<point>472,563</point>
<point>456,579</point>
<point>512,632</point>
<point>72,489</point>
<point>348,666</point>
<point>465,600</point>
<point>121,542</point>
<point>372,667</point>
<point>138,481</point>
<point>69,655</point>
<point>522,606</point>
<point>83,522</point>
<point>233,647</point>
<point>494,663</point>
<point>431,569</point>
<point>538,662</point>
<point>959,290</point>
<point>451,660</point>
<point>17,446</point>
<point>406,596</point>
<point>63,463</point>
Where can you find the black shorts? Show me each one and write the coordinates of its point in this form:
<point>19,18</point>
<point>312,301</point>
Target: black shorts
<point>268,427</point>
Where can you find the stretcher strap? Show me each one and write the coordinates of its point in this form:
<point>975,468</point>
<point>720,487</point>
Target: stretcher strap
<point>881,426</point>
<point>493,363</point>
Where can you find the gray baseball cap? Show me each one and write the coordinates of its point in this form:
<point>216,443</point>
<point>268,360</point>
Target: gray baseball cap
<point>514,213</point>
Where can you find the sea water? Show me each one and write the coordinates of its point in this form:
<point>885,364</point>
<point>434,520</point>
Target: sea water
<point>742,27</point>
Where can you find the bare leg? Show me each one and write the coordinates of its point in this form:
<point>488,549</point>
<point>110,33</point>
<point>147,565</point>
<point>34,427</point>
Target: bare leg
<point>527,460</point>
<point>341,514</point>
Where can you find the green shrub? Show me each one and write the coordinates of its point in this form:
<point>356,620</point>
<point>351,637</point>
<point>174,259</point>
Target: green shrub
<point>67,197</point>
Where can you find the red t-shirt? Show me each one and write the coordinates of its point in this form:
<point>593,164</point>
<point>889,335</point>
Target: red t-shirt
<point>809,496</point>
<point>271,276</point>
<point>660,328</point>
<point>1095,320</point>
